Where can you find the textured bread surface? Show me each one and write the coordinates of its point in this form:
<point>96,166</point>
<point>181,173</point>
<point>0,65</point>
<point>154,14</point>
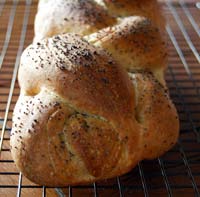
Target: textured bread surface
<point>87,16</point>
<point>64,16</point>
<point>77,105</point>
<point>146,8</point>
<point>136,43</point>
<point>93,103</point>
<point>131,30</point>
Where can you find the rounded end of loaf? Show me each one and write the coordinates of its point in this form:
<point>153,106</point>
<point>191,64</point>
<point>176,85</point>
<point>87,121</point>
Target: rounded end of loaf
<point>156,114</point>
<point>62,120</point>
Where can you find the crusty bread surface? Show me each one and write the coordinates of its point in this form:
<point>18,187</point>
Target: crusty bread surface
<point>93,99</point>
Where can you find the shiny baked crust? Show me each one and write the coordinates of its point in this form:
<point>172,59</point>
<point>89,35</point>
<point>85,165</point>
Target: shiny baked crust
<point>81,117</point>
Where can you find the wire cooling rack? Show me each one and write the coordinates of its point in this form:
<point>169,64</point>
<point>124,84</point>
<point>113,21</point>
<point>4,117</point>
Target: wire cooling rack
<point>177,173</point>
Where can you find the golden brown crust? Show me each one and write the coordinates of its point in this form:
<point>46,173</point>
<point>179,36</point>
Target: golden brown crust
<point>87,16</point>
<point>86,69</point>
<point>145,8</point>
<point>77,106</point>
<point>70,82</point>
<point>136,43</point>
<point>120,22</point>
<point>80,116</point>
<point>156,114</point>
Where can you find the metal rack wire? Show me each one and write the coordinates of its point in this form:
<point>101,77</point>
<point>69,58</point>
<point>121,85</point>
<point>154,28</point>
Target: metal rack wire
<point>174,174</point>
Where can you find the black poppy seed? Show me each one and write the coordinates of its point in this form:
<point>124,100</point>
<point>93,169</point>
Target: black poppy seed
<point>105,80</point>
<point>71,154</point>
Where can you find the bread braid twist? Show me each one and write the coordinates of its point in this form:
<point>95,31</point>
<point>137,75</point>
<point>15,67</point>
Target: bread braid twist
<point>80,116</point>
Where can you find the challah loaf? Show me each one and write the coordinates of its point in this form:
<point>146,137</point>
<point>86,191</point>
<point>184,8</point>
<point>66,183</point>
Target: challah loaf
<point>100,94</point>
<point>77,106</point>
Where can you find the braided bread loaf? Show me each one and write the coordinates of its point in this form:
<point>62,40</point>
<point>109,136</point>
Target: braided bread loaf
<point>70,16</point>
<point>81,117</point>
